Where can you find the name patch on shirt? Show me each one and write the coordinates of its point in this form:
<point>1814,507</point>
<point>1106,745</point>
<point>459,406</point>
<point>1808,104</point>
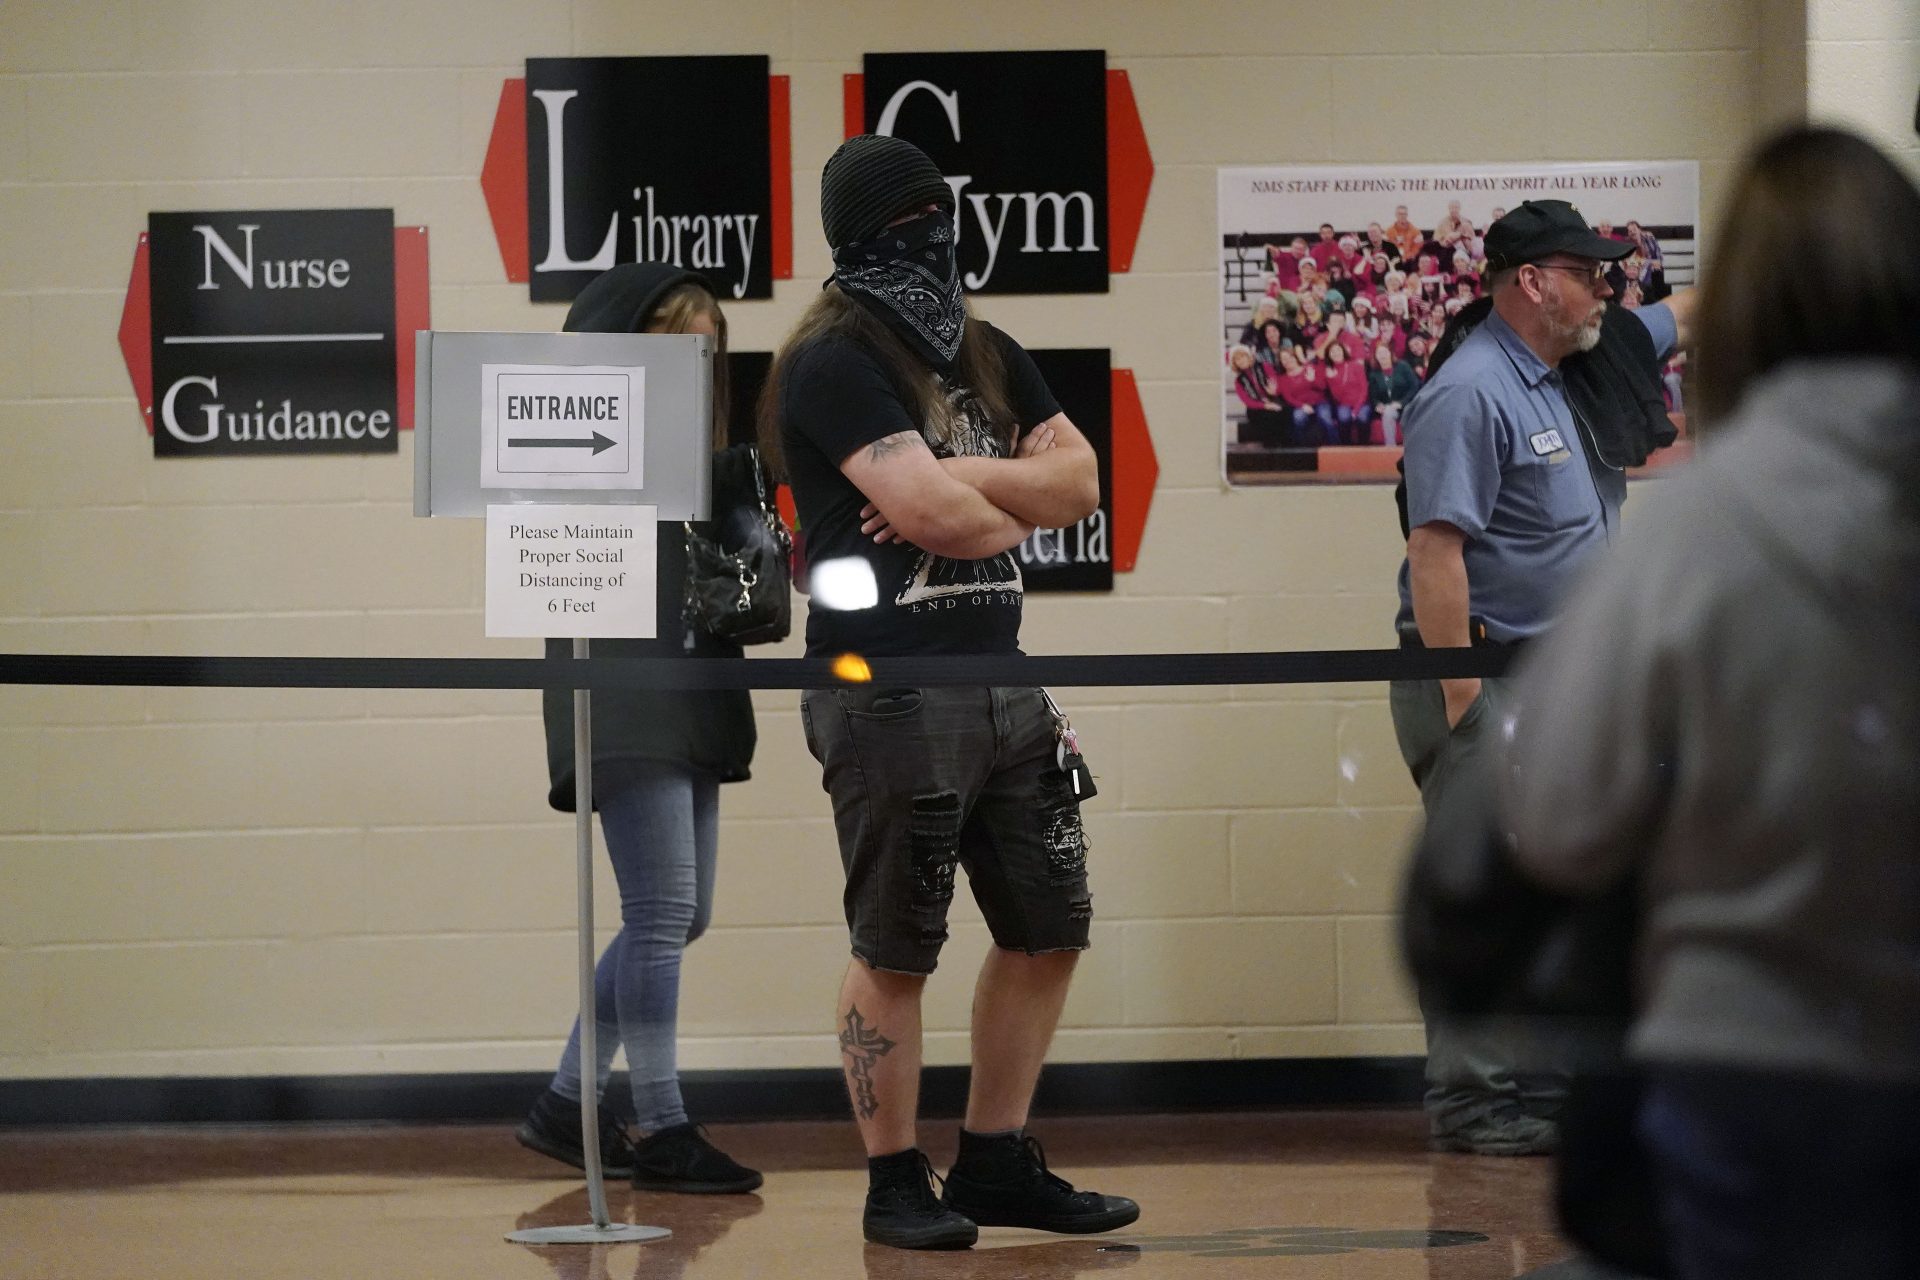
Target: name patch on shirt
<point>1546,442</point>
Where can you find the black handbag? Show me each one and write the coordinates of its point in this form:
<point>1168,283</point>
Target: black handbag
<point>740,582</point>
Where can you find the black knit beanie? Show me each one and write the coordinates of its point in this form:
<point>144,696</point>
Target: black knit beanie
<point>871,180</point>
<point>623,299</point>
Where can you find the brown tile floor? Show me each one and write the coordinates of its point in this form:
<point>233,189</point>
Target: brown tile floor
<point>1313,1195</point>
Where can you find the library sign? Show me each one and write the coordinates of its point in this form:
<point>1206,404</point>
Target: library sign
<point>1044,151</point>
<point>275,331</point>
<point>684,160</point>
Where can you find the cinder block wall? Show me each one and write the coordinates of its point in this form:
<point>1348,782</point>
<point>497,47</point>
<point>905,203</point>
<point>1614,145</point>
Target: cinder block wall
<point>210,882</point>
<point>1863,70</point>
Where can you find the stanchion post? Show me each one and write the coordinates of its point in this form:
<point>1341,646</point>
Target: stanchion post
<point>583,875</point>
<point>602,1230</point>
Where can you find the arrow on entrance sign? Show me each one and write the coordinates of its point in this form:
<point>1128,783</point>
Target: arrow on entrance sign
<point>597,444</point>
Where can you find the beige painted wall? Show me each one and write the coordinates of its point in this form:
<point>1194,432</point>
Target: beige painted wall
<point>1863,70</point>
<point>238,882</point>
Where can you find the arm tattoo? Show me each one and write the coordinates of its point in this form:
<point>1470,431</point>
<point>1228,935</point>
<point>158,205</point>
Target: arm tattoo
<point>887,446</point>
<point>863,1046</point>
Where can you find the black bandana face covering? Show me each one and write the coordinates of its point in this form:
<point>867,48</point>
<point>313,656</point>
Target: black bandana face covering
<point>909,277</point>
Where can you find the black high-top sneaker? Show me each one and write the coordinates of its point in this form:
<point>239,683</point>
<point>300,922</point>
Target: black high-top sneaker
<point>902,1210</point>
<point>552,1128</point>
<point>681,1159</point>
<point>1002,1180</point>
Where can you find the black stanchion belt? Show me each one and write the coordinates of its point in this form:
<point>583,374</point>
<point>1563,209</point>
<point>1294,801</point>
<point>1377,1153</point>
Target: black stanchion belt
<point>1324,666</point>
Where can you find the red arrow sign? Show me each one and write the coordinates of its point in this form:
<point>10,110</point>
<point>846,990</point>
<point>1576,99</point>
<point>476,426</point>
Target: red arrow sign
<point>136,333</point>
<point>1136,471</point>
<point>503,178</point>
<point>1129,171</point>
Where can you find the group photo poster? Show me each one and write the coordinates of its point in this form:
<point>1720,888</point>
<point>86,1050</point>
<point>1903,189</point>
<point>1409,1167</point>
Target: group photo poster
<point>1336,281</point>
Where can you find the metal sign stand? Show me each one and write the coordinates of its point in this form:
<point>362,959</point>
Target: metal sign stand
<point>668,380</point>
<point>602,1230</point>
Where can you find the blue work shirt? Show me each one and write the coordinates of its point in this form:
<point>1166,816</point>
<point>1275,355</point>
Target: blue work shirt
<point>1492,449</point>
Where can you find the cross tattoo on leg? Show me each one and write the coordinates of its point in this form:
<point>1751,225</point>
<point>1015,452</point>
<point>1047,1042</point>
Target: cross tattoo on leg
<point>863,1046</point>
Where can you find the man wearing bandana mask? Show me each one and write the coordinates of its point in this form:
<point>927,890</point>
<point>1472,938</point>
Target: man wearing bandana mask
<point>923,446</point>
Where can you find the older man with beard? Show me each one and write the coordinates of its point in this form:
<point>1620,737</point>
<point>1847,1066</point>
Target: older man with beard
<point>1509,495</point>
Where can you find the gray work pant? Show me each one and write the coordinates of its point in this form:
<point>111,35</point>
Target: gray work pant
<point>1478,1069</point>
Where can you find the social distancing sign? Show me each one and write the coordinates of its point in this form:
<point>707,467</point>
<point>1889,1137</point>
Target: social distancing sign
<point>579,570</point>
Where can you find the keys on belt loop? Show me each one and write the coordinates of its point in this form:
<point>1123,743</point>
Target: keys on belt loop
<point>1066,751</point>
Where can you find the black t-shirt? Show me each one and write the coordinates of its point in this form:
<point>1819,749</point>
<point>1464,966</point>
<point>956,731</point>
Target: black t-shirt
<point>837,398</point>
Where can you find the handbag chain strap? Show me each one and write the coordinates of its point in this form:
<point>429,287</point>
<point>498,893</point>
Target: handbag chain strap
<point>770,516</point>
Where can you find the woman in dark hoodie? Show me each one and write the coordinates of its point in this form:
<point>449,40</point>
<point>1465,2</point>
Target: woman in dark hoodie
<point>659,758</point>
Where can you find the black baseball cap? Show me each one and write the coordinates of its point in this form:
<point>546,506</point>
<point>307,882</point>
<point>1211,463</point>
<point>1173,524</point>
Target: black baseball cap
<point>1541,227</point>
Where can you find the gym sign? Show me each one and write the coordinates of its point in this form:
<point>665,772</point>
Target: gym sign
<point>275,331</point>
<point>1044,152</point>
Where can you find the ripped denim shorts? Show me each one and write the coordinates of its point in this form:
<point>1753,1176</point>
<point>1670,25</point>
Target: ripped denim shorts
<point>924,780</point>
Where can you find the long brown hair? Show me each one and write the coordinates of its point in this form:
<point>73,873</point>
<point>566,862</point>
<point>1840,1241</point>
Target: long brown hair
<point>675,313</point>
<point>978,367</point>
<point>1818,254</point>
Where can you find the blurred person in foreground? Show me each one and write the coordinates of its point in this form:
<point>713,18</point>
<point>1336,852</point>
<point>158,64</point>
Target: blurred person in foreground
<point>1727,726</point>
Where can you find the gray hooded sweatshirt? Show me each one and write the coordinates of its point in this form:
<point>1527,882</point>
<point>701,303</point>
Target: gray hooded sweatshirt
<point>1730,714</point>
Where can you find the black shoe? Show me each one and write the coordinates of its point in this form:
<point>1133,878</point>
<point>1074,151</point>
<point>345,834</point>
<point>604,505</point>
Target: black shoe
<point>1003,1181</point>
<point>553,1129</point>
<point>902,1210</point>
<point>681,1159</point>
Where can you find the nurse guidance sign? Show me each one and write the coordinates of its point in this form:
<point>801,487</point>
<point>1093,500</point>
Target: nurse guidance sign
<point>275,331</point>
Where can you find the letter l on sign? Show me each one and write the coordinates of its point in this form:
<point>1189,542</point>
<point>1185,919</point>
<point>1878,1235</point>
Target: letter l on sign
<point>554,101</point>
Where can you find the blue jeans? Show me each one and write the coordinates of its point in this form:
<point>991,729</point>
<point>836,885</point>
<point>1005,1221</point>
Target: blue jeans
<point>1351,424</point>
<point>1765,1176</point>
<point>661,837</point>
<point>1306,427</point>
<point>1329,425</point>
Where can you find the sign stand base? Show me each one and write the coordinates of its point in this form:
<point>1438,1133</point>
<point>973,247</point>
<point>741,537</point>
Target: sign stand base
<point>601,1230</point>
<point>612,1233</point>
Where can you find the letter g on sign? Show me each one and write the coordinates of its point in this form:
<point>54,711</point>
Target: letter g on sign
<point>172,424</point>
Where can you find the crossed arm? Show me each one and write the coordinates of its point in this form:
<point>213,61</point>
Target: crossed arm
<point>972,508</point>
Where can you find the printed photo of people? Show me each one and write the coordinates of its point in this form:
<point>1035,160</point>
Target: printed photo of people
<point>1338,281</point>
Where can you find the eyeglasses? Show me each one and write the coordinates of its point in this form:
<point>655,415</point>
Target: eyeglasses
<point>1593,274</point>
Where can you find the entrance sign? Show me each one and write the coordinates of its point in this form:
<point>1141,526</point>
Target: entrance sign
<point>614,418</point>
<point>555,428</point>
<point>272,332</point>
<point>572,570</point>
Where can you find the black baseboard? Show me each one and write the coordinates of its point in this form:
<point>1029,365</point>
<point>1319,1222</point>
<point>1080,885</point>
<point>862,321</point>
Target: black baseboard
<point>1070,1088</point>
